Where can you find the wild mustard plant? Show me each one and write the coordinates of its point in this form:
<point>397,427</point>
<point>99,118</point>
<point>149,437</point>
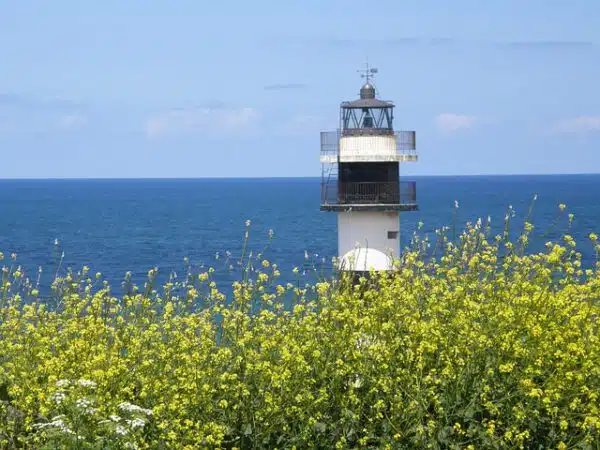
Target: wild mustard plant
<point>473,342</point>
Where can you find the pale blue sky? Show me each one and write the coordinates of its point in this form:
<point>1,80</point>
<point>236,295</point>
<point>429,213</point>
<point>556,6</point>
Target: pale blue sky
<point>230,88</point>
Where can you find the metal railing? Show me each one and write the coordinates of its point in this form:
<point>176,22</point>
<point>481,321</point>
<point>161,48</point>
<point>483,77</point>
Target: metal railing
<point>367,132</point>
<point>335,192</point>
<point>405,142</point>
<point>330,143</point>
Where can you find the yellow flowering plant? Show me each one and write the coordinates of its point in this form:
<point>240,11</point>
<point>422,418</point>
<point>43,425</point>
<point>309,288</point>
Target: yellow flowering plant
<point>472,342</point>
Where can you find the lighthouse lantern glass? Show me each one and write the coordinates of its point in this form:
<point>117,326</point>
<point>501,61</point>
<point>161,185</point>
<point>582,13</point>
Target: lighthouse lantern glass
<point>367,120</point>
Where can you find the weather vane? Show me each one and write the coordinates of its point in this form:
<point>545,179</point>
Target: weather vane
<point>368,72</point>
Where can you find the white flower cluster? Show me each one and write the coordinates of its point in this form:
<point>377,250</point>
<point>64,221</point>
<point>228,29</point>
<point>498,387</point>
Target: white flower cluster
<point>86,383</point>
<point>58,397</point>
<point>58,423</point>
<point>125,406</point>
<point>63,383</point>
<point>133,424</point>
<point>85,405</point>
<point>136,423</point>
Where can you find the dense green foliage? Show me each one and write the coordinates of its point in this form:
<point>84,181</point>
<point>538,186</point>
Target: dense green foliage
<point>481,346</point>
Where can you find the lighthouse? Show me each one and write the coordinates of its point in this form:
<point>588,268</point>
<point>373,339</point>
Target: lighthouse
<point>360,180</point>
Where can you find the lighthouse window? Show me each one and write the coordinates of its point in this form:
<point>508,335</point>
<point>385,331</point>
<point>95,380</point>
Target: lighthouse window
<point>376,118</point>
<point>392,235</point>
<point>367,120</point>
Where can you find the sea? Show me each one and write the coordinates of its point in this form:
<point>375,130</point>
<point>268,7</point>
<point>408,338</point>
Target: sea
<point>115,226</point>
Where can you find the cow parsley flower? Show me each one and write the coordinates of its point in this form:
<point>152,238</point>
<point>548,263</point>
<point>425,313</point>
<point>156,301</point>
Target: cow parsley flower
<point>136,423</point>
<point>62,383</point>
<point>59,424</point>
<point>86,383</point>
<point>129,407</point>
<point>58,397</point>
<point>85,405</point>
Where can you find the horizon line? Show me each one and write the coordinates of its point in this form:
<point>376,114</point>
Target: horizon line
<point>290,177</point>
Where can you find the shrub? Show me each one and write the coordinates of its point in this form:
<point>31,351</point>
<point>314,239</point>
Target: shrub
<point>473,343</point>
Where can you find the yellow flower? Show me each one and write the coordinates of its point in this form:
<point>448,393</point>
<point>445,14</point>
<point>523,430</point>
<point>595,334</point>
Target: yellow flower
<point>278,365</point>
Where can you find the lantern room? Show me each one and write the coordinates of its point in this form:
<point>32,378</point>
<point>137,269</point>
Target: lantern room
<point>367,115</point>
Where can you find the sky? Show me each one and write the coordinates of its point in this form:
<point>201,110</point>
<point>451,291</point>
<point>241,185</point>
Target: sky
<point>194,88</point>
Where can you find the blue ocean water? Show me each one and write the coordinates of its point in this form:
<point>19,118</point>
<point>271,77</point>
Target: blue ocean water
<point>115,226</point>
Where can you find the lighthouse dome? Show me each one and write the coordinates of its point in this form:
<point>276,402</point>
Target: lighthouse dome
<point>367,91</point>
<point>365,259</point>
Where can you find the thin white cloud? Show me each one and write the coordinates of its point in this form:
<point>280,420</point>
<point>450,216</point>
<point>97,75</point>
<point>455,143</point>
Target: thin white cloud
<point>581,124</point>
<point>23,114</point>
<point>202,120</point>
<point>450,122</point>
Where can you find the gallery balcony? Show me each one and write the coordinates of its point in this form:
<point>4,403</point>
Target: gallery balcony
<point>368,196</point>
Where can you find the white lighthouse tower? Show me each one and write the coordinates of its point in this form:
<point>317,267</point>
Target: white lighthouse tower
<point>361,180</point>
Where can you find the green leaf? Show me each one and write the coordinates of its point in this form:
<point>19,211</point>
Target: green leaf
<point>320,427</point>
